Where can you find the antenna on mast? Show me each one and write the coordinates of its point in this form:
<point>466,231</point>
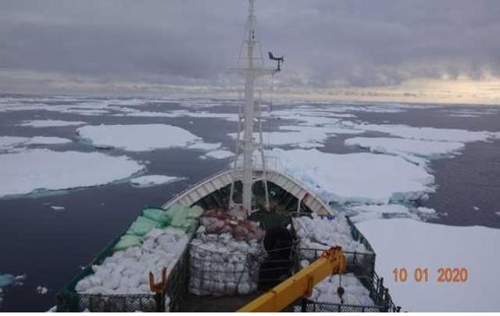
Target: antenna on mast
<point>250,67</point>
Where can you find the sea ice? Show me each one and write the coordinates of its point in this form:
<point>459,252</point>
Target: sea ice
<point>42,169</point>
<point>10,142</point>
<point>358,177</point>
<point>301,136</point>
<point>305,117</point>
<point>50,123</point>
<point>205,146</point>
<point>42,140</point>
<point>152,180</point>
<point>184,113</point>
<point>410,244</point>
<point>57,208</point>
<point>6,280</point>
<point>400,146</point>
<point>376,211</point>
<point>426,210</point>
<point>219,154</point>
<point>143,137</point>
<point>428,133</point>
<point>42,290</point>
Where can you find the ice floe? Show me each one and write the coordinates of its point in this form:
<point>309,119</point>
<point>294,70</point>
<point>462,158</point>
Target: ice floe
<point>42,140</point>
<point>400,146</point>
<point>142,137</point>
<point>50,123</point>
<point>42,290</point>
<point>426,210</point>
<point>6,280</point>
<point>410,244</point>
<point>377,211</point>
<point>152,180</point>
<point>11,142</point>
<point>301,136</point>
<point>57,208</point>
<point>37,170</point>
<point>218,154</point>
<point>183,113</point>
<point>205,146</point>
<point>358,177</point>
<point>428,133</point>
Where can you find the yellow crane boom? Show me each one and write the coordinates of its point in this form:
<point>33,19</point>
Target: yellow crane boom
<point>332,261</point>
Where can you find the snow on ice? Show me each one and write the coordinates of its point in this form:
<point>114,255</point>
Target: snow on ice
<point>410,244</point>
<point>35,170</point>
<point>50,123</point>
<point>142,137</point>
<point>152,180</point>
<point>358,177</point>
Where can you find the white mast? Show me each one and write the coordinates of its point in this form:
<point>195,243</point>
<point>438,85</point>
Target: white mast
<point>245,145</point>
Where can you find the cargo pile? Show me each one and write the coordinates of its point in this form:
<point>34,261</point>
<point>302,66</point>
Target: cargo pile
<point>226,255</point>
<point>354,292</point>
<point>156,240</point>
<point>322,233</point>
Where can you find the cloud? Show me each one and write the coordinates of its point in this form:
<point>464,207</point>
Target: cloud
<point>186,42</point>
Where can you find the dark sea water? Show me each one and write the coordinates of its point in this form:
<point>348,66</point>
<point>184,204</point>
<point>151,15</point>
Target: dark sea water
<point>50,246</point>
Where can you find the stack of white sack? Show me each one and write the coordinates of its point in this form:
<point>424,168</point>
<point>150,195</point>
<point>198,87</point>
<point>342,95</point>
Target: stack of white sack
<point>321,233</point>
<point>127,271</point>
<point>221,265</point>
<point>354,291</point>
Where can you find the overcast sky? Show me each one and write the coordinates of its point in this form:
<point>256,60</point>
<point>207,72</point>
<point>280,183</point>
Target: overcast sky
<point>51,44</point>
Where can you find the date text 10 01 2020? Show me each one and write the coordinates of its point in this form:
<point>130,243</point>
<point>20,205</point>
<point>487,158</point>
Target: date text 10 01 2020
<point>445,275</point>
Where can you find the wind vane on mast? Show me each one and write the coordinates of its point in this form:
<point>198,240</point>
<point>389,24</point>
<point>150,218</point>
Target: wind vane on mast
<point>250,113</point>
<point>278,59</point>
